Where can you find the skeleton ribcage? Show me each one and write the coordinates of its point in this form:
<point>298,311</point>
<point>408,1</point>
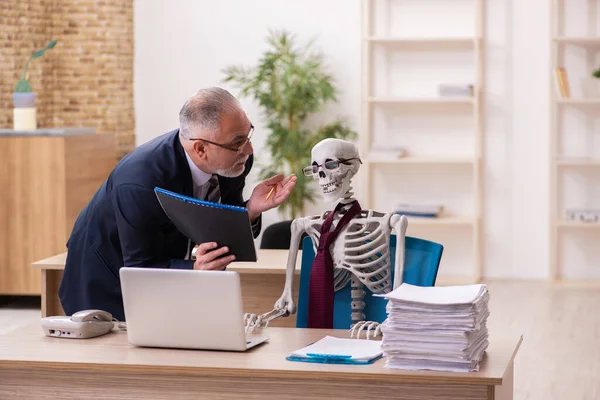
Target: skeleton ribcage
<point>361,249</point>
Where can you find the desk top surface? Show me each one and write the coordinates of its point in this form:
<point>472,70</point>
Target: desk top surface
<point>269,262</point>
<point>27,347</point>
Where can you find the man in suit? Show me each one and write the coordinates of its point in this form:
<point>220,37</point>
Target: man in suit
<point>208,157</point>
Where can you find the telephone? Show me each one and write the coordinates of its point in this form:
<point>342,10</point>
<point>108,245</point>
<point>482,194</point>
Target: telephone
<point>81,325</point>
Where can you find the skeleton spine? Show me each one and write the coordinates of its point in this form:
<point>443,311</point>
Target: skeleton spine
<point>348,197</point>
<point>358,305</point>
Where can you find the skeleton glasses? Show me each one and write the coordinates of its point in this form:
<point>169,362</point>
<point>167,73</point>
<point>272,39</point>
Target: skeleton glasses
<point>331,165</point>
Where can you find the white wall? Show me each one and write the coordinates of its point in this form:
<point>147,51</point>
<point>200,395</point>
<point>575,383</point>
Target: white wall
<point>182,45</point>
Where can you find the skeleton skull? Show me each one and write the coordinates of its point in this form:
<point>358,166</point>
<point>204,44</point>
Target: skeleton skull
<point>334,162</point>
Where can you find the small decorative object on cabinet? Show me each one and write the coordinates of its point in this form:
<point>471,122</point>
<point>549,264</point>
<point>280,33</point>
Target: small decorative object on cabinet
<point>423,92</point>
<point>24,113</point>
<point>574,230</point>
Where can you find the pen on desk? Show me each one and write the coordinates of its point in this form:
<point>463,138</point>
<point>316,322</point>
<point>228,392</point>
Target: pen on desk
<point>271,192</point>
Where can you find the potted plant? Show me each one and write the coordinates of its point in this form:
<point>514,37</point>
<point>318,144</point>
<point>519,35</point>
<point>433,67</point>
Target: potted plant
<point>24,114</point>
<point>290,84</point>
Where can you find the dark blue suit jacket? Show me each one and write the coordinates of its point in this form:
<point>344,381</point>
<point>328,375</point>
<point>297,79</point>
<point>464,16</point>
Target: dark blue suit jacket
<point>125,226</point>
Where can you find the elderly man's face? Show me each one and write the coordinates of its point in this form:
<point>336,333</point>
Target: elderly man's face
<point>233,134</point>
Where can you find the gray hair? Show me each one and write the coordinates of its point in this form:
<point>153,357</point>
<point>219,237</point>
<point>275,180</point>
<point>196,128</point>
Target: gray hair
<point>204,110</point>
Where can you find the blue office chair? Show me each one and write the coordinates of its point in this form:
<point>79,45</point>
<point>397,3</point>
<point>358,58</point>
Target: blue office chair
<point>421,262</point>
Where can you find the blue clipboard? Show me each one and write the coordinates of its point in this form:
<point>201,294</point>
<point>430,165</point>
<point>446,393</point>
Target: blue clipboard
<point>332,359</point>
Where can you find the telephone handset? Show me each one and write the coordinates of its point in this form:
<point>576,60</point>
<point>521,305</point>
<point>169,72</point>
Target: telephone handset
<point>91,315</point>
<point>81,325</point>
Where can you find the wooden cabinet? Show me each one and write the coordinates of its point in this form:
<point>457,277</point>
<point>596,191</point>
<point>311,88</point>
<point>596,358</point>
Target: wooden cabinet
<point>46,179</point>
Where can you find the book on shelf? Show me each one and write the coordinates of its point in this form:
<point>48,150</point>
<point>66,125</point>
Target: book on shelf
<point>455,90</point>
<point>562,82</point>
<point>582,215</point>
<point>419,210</point>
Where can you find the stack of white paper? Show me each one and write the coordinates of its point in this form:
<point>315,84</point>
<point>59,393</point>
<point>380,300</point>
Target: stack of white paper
<point>436,328</point>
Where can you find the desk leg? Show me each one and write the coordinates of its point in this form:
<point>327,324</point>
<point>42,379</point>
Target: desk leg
<point>504,391</point>
<point>50,302</point>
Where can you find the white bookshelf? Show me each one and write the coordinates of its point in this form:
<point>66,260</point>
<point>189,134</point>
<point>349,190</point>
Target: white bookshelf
<point>574,155</point>
<point>396,39</point>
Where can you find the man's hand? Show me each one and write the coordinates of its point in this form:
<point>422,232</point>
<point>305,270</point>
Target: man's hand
<point>206,254</point>
<point>282,188</point>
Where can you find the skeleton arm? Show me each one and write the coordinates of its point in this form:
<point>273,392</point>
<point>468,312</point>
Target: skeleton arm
<point>285,305</point>
<point>399,223</point>
<point>286,301</point>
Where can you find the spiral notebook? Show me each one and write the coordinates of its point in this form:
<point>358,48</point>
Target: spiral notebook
<point>203,221</point>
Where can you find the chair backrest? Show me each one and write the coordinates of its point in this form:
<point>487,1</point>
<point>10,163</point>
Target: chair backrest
<point>278,236</point>
<point>421,262</point>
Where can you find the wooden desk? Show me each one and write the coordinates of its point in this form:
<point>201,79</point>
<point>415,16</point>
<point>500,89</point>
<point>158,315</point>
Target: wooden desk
<point>33,366</point>
<point>262,282</point>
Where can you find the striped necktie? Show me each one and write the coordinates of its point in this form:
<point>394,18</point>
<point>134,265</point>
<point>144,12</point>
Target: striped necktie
<point>214,193</point>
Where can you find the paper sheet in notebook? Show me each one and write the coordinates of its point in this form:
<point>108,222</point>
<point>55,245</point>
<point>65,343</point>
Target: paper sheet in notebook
<point>464,294</point>
<point>356,349</point>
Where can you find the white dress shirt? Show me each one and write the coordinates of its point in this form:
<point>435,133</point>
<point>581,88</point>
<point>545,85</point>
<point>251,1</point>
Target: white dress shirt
<point>200,179</point>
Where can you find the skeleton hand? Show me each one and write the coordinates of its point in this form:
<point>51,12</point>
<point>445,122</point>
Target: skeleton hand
<point>255,321</point>
<point>286,303</point>
<point>371,329</point>
<point>283,307</point>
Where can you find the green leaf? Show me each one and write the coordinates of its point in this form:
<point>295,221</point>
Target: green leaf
<point>41,52</point>
<point>38,53</point>
<point>23,86</point>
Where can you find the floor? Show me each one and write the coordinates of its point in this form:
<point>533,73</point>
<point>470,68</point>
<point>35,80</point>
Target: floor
<point>560,324</point>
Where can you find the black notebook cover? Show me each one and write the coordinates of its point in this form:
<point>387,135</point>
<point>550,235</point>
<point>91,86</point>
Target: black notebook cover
<point>203,221</point>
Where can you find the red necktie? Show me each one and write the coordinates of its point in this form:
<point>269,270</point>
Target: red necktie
<point>321,287</point>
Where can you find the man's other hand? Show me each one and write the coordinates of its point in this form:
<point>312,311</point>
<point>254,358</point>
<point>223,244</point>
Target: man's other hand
<point>208,257</point>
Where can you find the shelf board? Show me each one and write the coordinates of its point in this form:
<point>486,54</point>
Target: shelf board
<point>440,160</point>
<point>571,224</point>
<point>423,100</point>
<point>579,102</point>
<point>427,42</point>
<point>578,40</point>
<point>579,162</point>
<point>418,221</point>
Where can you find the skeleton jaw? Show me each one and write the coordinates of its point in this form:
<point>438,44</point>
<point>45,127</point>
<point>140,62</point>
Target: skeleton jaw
<point>335,188</point>
<point>330,187</point>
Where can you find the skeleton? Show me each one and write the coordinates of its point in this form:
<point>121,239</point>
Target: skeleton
<point>361,253</point>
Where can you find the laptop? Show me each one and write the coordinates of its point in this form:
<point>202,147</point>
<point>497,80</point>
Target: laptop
<point>174,308</point>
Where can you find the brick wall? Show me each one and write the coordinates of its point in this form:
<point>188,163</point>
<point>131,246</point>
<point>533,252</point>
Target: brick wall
<point>87,79</point>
